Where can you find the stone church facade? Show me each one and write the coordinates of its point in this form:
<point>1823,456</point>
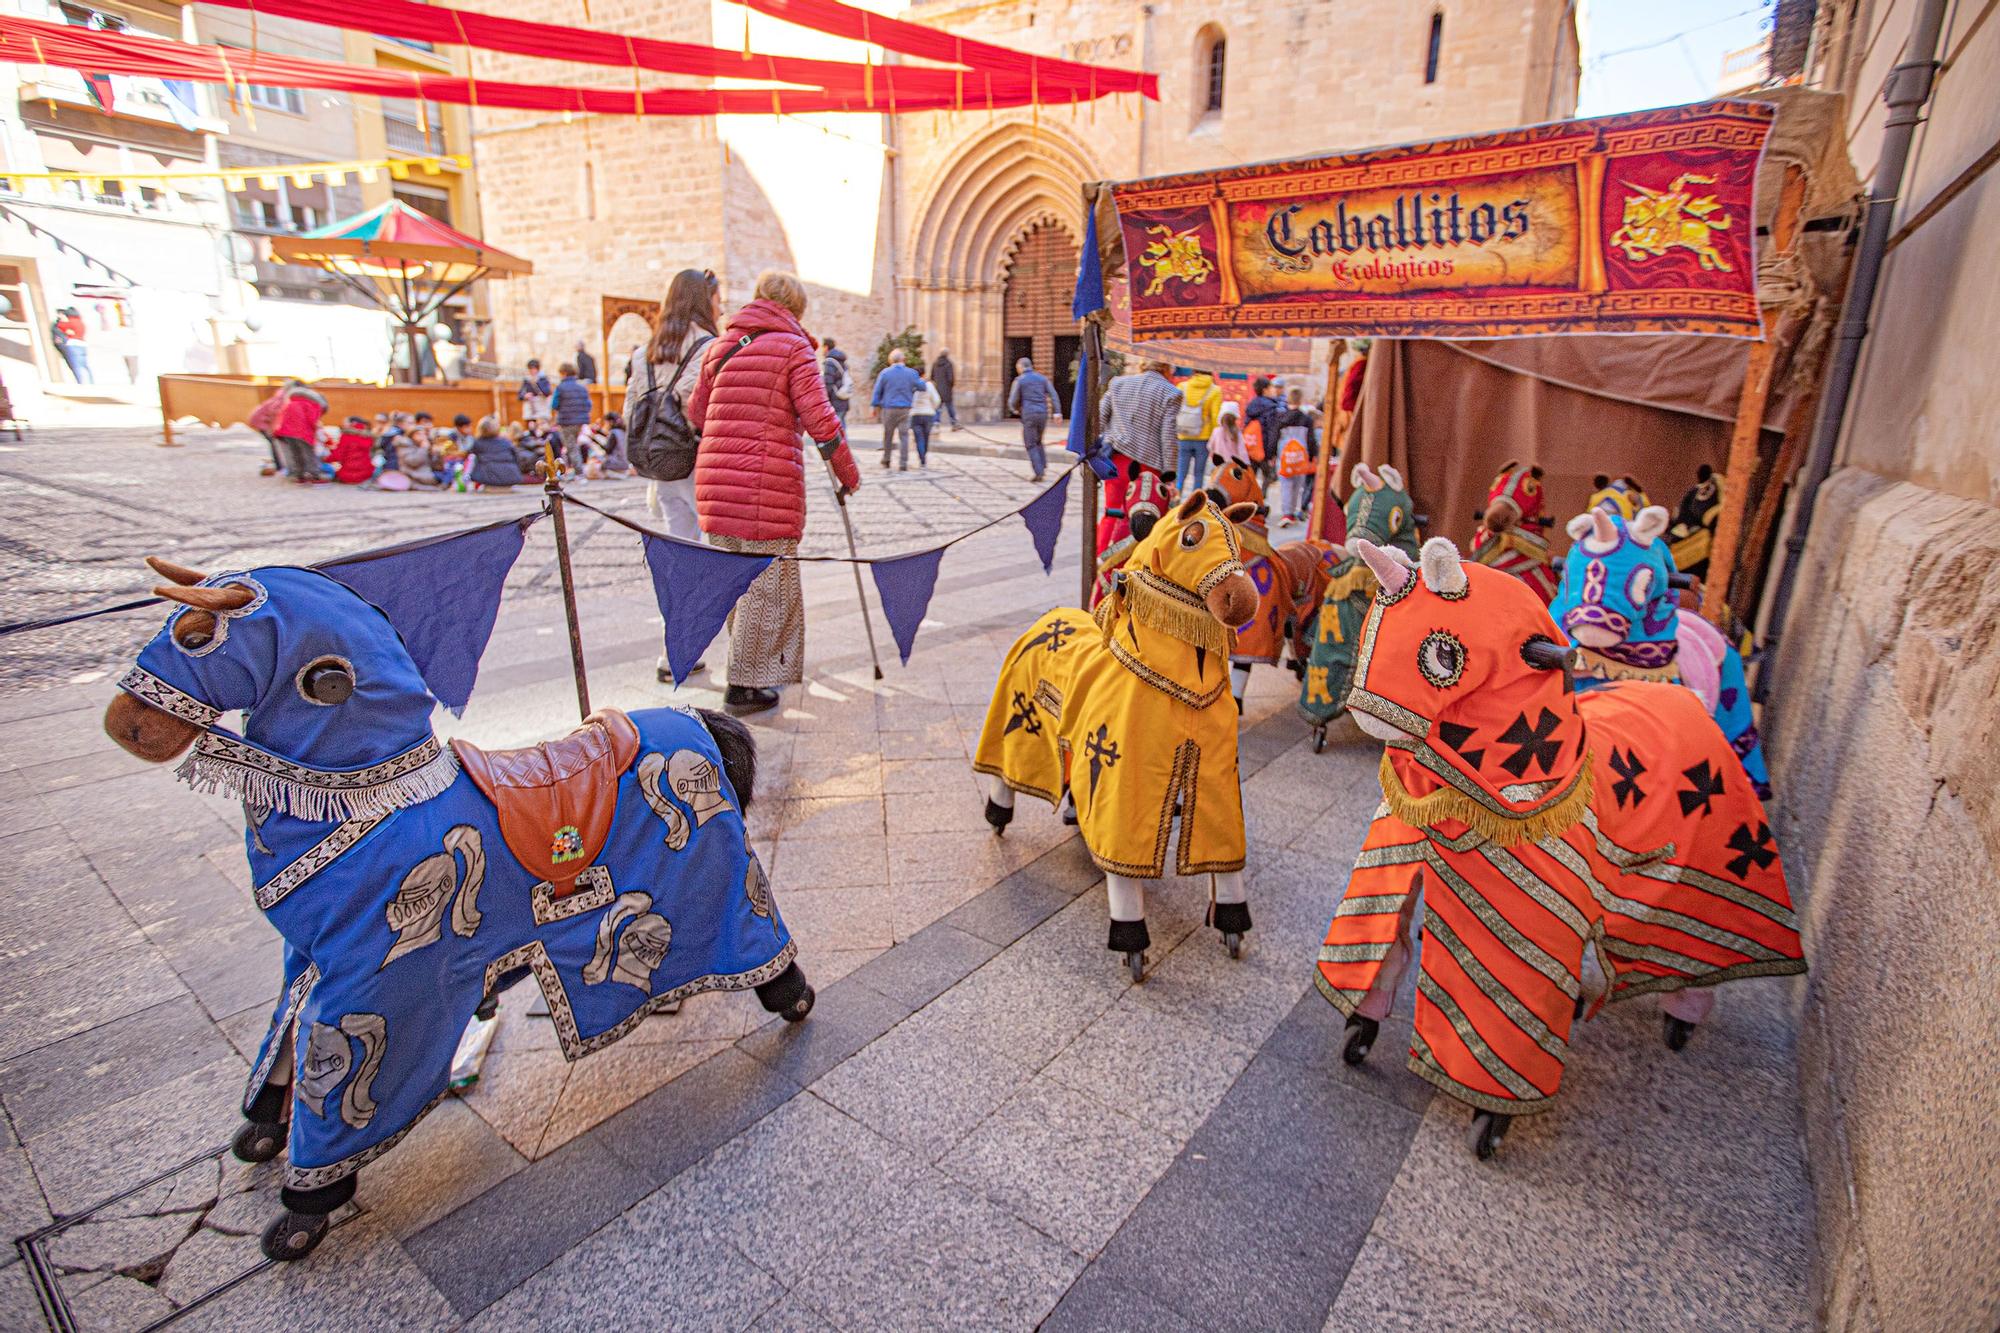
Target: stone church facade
<point>965,224</point>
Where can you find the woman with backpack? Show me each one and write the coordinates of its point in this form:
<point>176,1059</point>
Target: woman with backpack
<point>660,444</point>
<point>760,388</point>
<point>1296,454</point>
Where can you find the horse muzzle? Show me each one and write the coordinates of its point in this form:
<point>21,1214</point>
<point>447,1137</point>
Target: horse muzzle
<point>145,731</point>
<point>1594,627</point>
<point>1233,601</point>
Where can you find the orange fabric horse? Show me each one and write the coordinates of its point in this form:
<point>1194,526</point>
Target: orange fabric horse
<point>1538,823</point>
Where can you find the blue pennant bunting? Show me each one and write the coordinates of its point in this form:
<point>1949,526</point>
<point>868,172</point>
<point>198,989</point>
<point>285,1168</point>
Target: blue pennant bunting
<point>1044,517</point>
<point>1089,296</point>
<point>905,585</point>
<point>697,587</point>
<point>442,596</point>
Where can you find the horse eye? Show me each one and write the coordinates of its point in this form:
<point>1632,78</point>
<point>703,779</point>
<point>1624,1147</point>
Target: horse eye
<point>194,629</point>
<point>1192,534</point>
<point>1441,658</point>
<point>1395,520</point>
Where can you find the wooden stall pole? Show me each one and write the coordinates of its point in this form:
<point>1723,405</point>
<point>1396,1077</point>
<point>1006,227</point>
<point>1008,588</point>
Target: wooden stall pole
<point>1329,411</point>
<point>1743,452</point>
<point>167,439</point>
<point>552,488</point>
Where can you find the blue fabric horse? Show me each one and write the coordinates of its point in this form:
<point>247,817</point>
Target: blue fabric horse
<point>1618,604</point>
<point>405,895</point>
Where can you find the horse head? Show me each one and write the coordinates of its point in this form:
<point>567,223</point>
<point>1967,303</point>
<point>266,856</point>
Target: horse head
<point>1617,596</point>
<point>1380,509</point>
<point>1515,499</point>
<point>1234,484</point>
<point>320,675</point>
<point>1622,498</point>
<point>1194,547</point>
<point>1464,660</point>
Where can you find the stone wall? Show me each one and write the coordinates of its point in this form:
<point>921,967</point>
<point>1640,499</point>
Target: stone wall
<point>1884,732</point>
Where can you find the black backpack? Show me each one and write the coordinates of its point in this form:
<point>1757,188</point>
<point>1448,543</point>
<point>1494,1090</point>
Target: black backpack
<point>660,441</point>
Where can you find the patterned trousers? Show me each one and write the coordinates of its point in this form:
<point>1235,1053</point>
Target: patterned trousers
<point>767,630</point>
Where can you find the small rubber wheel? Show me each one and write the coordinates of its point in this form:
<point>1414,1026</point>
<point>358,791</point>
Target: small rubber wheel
<point>798,1009</point>
<point>663,675</point>
<point>1137,962</point>
<point>1232,940</point>
<point>1319,740</point>
<point>1488,1128</point>
<point>1361,1034</point>
<point>294,1235</point>
<point>1678,1032</point>
<point>258,1141</point>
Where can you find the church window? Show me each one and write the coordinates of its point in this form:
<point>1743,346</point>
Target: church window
<point>1436,45</point>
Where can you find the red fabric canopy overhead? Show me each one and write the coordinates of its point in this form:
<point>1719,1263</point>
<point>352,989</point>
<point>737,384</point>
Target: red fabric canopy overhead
<point>488,32</point>
<point>31,41</point>
<point>914,39</point>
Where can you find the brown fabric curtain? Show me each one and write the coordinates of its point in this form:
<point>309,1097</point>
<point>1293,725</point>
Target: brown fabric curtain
<point>1449,415</point>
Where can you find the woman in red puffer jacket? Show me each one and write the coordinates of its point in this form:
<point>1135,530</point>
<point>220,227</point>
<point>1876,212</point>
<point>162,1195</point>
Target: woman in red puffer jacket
<point>760,387</point>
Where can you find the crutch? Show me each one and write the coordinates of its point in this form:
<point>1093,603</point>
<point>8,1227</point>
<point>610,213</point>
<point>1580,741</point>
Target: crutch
<point>840,499</point>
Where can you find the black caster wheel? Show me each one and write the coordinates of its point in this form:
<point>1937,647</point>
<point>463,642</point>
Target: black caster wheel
<point>664,676</point>
<point>1233,941</point>
<point>796,1011</point>
<point>1678,1032</point>
<point>1136,961</point>
<point>1488,1128</point>
<point>998,815</point>
<point>1361,1034</point>
<point>258,1141</point>
<point>1319,740</point>
<point>294,1235</point>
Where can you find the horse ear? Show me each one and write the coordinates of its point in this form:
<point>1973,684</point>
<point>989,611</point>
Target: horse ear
<point>1392,477</point>
<point>1191,506</point>
<point>1365,478</point>
<point>1577,527</point>
<point>174,573</point>
<point>1649,523</point>
<point>1443,574</point>
<point>1392,570</point>
<point>1240,513</point>
<point>229,597</point>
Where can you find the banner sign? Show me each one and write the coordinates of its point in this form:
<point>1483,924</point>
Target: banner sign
<point>1640,223</point>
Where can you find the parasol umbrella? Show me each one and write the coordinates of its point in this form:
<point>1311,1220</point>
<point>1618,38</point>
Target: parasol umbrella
<point>407,263</point>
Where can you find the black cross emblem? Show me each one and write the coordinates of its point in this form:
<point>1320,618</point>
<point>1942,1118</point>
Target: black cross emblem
<point>1053,637</point>
<point>1751,847</point>
<point>1024,716</point>
<point>1628,768</point>
<point>1707,786</point>
<point>1534,743</point>
<point>1103,754</point>
<point>1456,737</point>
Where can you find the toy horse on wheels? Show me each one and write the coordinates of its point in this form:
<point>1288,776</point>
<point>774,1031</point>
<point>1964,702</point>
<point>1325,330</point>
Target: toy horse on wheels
<point>1538,824</point>
<point>413,881</point>
<point>1290,579</point>
<point>1513,534</point>
<point>1380,511</point>
<point>1128,712</point>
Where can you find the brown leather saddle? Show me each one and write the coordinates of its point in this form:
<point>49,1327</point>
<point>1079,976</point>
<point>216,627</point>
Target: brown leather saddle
<point>555,800</point>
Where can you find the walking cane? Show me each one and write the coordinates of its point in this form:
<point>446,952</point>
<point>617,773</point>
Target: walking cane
<point>841,499</point>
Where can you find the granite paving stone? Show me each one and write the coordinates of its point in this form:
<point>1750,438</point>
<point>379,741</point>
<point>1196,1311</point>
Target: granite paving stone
<point>922,1085</point>
<point>359,1277</point>
<point>801,864</point>
<point>1067,1164</point>
<point>1388,1287</point>
<point>790,1315</point>
<point>612,1079</point>
<point>1313,1035</point>
<point>852,918</point>
<point>914,907</point>
<point>1162,1071</point>
<point>845,1018</point>
<point>110,1149</point>
<point>1027,1012</point>
<point>448,1160</point>
<point>941,1258</point>
<point>22,1206</point>
<point>52,1084</point>
<point>925,965</point>
<point>671,1128</point>
<point>1097,1303</point>
<point>489,1246</point>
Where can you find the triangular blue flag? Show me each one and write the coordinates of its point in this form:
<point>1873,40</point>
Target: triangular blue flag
<point>696,587</point>
<point>442,595</point>
<point>905,585</point>
<point>1044,517</point>
<point>1089,272</point>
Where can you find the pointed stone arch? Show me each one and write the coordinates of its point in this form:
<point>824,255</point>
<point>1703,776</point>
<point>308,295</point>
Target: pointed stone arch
<point>1000,184</point>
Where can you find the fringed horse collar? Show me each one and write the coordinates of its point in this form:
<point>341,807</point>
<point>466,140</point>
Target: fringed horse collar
<point>1166,636</point>
<point>224,762</point>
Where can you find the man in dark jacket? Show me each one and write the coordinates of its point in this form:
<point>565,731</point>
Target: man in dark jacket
<point>839,386</point>
<point>1035,399</point>
<point>573,410</point>
<point>1263,411</point>
<point>943,376</point>
<point>586,364</point>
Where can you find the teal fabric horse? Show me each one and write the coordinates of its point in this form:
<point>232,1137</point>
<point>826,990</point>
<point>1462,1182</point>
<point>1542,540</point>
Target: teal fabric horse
<point>1381,511</point>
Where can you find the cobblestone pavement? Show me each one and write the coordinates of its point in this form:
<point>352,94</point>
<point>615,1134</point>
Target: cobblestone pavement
<point>983,1125</point>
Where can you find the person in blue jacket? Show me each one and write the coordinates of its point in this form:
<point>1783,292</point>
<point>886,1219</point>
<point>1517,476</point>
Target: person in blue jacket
<point>573,411</point>
<point>1035,399</point>
<point>895,389</point>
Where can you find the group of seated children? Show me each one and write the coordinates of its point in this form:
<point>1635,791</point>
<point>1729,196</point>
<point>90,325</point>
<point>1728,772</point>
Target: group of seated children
<point>404,450</point>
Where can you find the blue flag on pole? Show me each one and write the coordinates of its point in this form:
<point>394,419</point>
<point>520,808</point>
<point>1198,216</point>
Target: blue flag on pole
<point>1044,517</point>
<point>696,587</point>
<point>1089,295</point>
<point>905,585</point>
<point>442,595</point>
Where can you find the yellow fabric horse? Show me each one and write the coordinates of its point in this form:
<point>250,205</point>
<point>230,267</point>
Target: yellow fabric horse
<point>1128,712</point>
